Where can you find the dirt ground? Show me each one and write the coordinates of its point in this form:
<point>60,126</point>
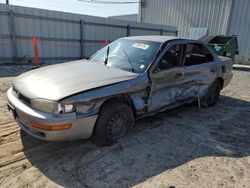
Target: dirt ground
<point>183,147</point>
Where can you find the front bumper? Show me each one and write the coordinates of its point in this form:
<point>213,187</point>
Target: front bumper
<point>82,128</point>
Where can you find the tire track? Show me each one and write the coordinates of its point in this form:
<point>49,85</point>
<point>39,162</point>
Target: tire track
<point>9,132</point>
<point>12,161</point>
<point>7,124</point>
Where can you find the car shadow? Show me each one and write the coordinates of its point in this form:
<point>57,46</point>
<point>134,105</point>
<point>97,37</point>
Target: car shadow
<point>155,145</point>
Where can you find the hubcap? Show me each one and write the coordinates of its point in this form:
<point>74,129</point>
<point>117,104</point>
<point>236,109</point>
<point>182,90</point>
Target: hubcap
<point>117,126</point>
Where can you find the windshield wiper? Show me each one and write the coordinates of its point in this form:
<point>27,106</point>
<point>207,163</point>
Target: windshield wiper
<point>107,57</point>
<point>130,63</point>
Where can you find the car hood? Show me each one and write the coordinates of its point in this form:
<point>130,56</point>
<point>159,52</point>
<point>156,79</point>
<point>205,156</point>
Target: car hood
<point>58,81</point>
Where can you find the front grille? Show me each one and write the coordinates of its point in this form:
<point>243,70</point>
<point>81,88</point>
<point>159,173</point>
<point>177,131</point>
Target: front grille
<point>21,96</point>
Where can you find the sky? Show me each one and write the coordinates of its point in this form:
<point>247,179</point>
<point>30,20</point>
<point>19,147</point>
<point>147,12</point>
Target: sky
<point>76,6</point>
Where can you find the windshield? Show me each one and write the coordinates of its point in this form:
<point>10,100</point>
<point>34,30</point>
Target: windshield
<point>126,54</point>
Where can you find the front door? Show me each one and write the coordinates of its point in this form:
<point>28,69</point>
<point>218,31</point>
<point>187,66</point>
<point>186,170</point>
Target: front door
<point>167,78</point>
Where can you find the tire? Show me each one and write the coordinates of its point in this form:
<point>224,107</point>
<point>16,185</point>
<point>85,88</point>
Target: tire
<point>114,122</point>
<point>212,96</point>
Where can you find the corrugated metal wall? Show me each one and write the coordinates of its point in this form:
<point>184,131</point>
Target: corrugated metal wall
<point>184,14</point>
<point>219,16</point>
<point>239,25</point>
<point>62,36</point>
<point>6,48</point>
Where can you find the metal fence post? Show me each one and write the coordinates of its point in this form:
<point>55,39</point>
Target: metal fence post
<point>13,35</point>
<point>82,38</point>
<point>161,31</point>
<point>128,30</point>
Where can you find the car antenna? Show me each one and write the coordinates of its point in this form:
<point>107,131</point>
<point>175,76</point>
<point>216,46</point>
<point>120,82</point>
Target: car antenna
<point>107,56</point>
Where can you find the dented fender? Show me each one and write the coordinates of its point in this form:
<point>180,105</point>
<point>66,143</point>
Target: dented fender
<point>134,89</point>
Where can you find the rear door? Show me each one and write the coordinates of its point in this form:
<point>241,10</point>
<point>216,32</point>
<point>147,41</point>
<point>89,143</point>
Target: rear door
<point>199,69</point>
<point>166,76</point>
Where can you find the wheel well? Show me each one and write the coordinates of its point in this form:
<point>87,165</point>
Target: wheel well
<point>221,82</point>
<point>120,98</point>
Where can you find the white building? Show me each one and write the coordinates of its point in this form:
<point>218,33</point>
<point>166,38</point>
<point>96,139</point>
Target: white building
<point>226,17</point>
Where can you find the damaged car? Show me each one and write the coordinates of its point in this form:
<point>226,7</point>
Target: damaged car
<point>131,78</point>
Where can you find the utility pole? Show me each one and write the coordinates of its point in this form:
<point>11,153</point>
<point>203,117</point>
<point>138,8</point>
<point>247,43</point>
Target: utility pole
<point>7,2</point>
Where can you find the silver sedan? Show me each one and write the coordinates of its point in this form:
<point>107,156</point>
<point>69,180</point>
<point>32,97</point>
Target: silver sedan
<point>131,78</point>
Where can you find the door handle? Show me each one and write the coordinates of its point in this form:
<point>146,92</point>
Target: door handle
<point>178,75</point>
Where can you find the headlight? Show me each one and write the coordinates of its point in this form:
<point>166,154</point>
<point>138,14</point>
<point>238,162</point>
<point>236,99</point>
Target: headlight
<point>65,108</point>
<point>44,105</point>
<point>49,106</point>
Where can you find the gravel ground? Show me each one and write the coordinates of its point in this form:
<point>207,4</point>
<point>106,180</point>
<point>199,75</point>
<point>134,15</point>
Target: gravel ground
<point>182,147</point>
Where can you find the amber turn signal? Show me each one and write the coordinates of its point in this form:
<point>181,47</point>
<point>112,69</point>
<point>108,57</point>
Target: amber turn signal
<point>51,128</point>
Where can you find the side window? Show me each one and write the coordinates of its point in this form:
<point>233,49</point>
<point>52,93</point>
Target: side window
<point>171,58</point>
<point>197,54</point>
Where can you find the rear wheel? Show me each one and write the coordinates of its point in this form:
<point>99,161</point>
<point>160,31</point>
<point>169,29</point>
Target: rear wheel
<point>114,121</point>
<point>212,95</point>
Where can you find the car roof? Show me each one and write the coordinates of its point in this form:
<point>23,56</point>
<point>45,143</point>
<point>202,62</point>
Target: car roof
<point>153,38</point>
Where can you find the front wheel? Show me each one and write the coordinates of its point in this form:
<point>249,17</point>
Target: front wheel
<point>114,121</point>
<point>212,95</point>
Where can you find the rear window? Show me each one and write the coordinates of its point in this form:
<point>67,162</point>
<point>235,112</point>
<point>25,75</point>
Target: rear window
<point>197,54</point>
